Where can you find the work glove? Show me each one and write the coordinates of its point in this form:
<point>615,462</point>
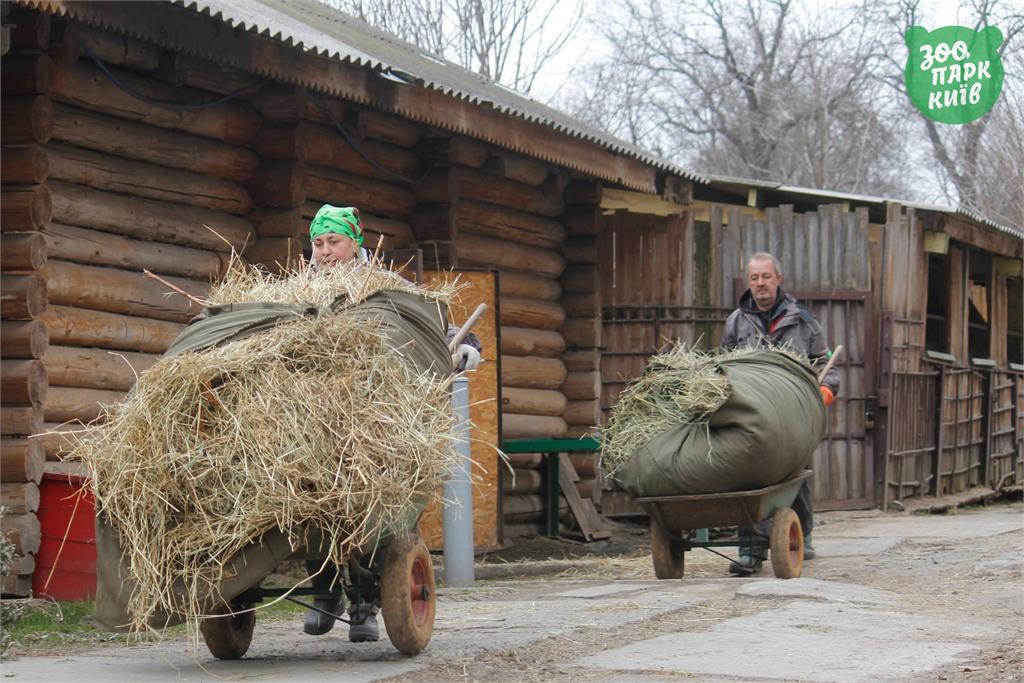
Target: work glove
<point>827,397</point>
<point>466,358</point>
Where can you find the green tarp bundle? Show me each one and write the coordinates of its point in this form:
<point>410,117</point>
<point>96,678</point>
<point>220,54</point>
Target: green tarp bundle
<point>763,434</point>
<point>415,328</point>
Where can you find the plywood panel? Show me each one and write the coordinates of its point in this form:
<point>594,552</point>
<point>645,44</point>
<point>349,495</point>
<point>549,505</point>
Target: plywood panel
<point>484,412</point>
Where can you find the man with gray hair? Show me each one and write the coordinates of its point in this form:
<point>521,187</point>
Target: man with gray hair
<point>767,316</point>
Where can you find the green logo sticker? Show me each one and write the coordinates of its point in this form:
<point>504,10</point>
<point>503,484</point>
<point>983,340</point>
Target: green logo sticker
<point>953,74</point>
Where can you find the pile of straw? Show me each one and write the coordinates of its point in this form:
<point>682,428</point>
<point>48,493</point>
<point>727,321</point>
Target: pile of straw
<point>315,422</point>
<point>681,385</point>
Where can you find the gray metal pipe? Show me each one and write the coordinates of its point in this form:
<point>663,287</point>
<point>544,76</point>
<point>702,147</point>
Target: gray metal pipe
<point>458,494</point>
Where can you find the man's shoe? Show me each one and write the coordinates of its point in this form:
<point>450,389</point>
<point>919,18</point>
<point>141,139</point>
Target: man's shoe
<point>745,565</point>
<point>365,631</point>
<point>317,623</point>
<point>808,548</point>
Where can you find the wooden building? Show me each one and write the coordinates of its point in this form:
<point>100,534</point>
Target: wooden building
<point>162,135</point>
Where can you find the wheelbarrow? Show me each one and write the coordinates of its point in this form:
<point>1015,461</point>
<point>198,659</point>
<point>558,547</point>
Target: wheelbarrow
<point>676,519</point>
<point>399,574</point>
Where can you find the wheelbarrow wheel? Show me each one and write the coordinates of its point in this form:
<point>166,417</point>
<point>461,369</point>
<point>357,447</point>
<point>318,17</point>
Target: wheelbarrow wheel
<point>666,552</point>
<point>408,594</point>
<point>228,637</point>
<point>787,544</point>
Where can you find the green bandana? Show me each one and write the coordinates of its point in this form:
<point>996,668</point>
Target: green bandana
<point>342,220</point>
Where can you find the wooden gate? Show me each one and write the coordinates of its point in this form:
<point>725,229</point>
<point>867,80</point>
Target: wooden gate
<point>1006,438</point>
<point>844,464</point>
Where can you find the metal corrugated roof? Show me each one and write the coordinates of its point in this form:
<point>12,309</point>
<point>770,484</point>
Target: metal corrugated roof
<point>730,182</point>
<point>318,28</point>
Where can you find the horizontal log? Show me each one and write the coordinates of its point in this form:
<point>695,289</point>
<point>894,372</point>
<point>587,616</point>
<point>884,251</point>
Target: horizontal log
<point>276,253</point>
<point>95,247</point>
<point>17,499</point>
<point>26,119</point>
<point>23,338</point>
<point>512,531</point>
<point>583,192</point>
<point>70,404</point>
<point>338,188</point>
<point>530,313</point>
<point>523,341</point>
<point>490,252</point>
<point>577,361</point>
<point>581,250</point>
<point>182,69</point>
<point>23,531</point>
<point>386,128</point>
<point>92,368</point>
<point>20,421</point>
<point>585,487</point>
<point>518,509</point>
<point>30,29</point>
<point>585,464</point>
<point>141,179</point>
<point>532,401</point>
<point>22,297</point>
<point>280,222</point>
<point>22,382</point>
<point>279,183</point>
<point>120,291</point>
<point>444,184</point>
<point>25,207</point>
<point>491,220</point>
<point>580,386</point>
<point>85,86</point>
<point>20,586</point>
<point>23,567</point>
<point>582,333</point>
<point>454,151</point>
<point>521,481</point>
<point>324,146</point>
<point>156,145</point>
<point>148,218</point>
<point>515,426</point>
<point>582,412</point>
<point>58,440</point>
<point>517,167</point>
<point>21,460</point>
<point>530,286</point>
<point>579,432</point>
<point>525,460</point>
<point>286,102</point>
<point>580,279</point>
<point>24,165</point>
<point>581,304</point>
<point>529,372</point>
<point>22,251</point>
<point>113,49</point>
<point>27,73</point>
<point>582,221</point>
<point>82,327</point>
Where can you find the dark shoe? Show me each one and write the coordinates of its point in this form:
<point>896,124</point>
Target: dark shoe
<point>808,548</point>
<point>317,623</point>
<point>364,631</point>
<point>745,565</point>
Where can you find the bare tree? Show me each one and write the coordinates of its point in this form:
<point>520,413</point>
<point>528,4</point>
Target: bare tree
<point>755,89</point>
<point>507,41</point>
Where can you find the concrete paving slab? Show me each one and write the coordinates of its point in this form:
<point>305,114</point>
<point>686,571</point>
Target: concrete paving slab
<point>802,641</point>
<point>965,525</point>
<point>815,589</point>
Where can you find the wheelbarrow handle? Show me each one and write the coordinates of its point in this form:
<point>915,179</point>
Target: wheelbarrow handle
<point>831,361</point>
<point>464,330</point>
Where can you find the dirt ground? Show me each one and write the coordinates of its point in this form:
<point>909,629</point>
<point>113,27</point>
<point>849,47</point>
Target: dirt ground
<point>890,597</point>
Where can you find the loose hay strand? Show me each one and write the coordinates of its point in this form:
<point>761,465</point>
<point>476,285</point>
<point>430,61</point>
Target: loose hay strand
<point>315,423</point>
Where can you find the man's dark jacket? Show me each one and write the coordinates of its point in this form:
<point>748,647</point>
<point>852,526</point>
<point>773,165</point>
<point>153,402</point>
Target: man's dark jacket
<point>786,323</point>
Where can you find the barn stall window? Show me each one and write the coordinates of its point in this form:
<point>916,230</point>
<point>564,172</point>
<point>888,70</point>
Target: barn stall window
<point>1015,320</point>
<point>937,325</point>
<point>979,320</point>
